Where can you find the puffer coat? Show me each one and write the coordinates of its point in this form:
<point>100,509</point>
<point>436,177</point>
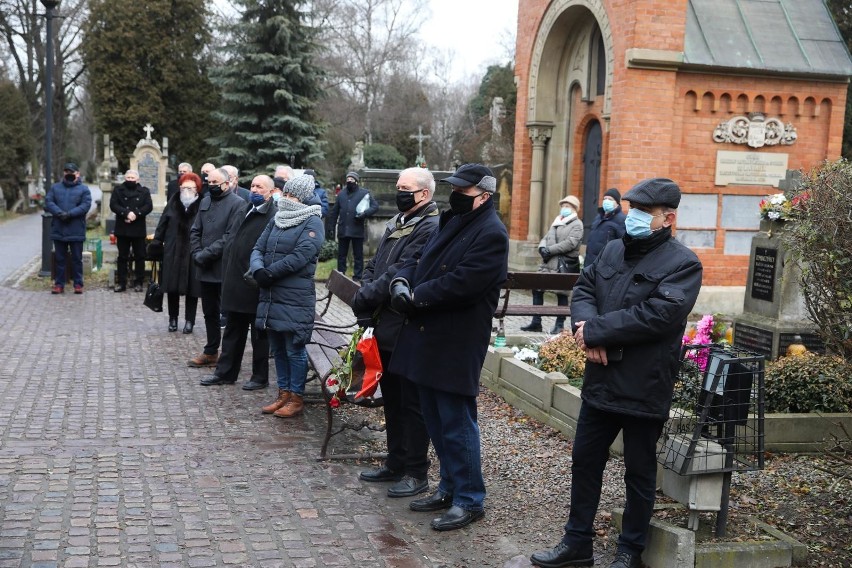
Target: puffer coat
<point>178,274</point>
<point>635,299</point>
<point>291,256</point>
<point>74,199</point>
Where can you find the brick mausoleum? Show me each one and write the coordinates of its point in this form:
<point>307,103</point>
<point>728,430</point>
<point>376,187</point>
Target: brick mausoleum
<point>723,96</point>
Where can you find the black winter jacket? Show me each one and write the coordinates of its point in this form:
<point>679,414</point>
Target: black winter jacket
<point>605,228</point>
<point>400,242</point>
<point>217,220</point>
<point>635,300</point>
<point>178,274</point>
<point>456,282</point>
<point>349,224</point>
<point>238,295</point>
<point>126,199</point>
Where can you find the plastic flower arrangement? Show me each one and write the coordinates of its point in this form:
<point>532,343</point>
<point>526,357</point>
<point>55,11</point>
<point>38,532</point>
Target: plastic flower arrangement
<point>710,329</point>
<point>340,378</point>
<point>776,207</point>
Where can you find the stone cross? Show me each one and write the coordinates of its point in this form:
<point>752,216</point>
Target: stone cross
<point>420,137</point>
<point>791,183</point>
<point>148,130</point>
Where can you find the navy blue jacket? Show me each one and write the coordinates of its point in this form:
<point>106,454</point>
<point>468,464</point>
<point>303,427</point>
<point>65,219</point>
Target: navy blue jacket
<point>291,255</point>
<point>605,228</point>
<point>350,225</point>
<point>456,283</point>
<point>74,199</point>
<point>635,299</point>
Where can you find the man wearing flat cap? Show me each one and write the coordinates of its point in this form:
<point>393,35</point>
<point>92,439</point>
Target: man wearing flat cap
<point>68,202</point>
<point>629,311</point>
<point>351,209</point>
<point>448,293</point>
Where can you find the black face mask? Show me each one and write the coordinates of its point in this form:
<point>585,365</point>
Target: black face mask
<point>351,186</point>
<point>405,200</point>
<point>461,203</point>
<point>129,184</point>
<point>70,178</point>
<point>216,190</point>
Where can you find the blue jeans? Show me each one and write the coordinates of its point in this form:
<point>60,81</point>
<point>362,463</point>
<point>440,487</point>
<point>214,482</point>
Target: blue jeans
<point>291,362</point>
<point>451,422</point>
<point>596,431</point>
<point>61,249</point>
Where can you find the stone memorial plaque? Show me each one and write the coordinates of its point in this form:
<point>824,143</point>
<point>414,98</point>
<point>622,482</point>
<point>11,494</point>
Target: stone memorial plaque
<point>149,172</point>
<point>697,210</point>
<point>763,273</point>
<point>809,340</point>
<point>741,211</point>
<point>750,168</point>
<point>753,339</point>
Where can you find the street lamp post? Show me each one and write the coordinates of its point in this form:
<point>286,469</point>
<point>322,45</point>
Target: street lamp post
<point>50,5</point>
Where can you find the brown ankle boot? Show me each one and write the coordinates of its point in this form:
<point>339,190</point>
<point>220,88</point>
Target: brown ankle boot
<point>293,407</point>
<point>283,397</point>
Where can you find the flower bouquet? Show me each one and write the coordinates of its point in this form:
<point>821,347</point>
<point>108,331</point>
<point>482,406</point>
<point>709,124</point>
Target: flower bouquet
<point>710,329</point>
<point>776,207</point>
<point>342,377</point>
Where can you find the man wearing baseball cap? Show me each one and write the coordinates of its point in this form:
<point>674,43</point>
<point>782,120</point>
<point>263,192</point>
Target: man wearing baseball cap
<point>448,294</point>
<point>68,201</point>
<point>629,311</point>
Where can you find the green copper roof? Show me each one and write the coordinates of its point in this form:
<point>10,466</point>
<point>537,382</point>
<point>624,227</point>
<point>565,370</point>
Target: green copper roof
<point>775,36</point>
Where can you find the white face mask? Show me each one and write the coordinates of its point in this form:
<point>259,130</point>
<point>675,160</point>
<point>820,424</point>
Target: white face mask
<point>188,198</point>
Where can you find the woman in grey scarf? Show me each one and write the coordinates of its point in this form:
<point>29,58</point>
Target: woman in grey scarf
<point>283,264</point>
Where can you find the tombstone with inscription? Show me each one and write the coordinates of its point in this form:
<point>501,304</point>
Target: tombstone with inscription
<point>774,310</point>
<point>151,162</point>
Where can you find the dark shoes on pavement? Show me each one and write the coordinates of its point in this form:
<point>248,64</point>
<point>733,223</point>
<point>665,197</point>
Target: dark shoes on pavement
<point>408,486</point>
<point>626,560</point>
<point>563,555</point>
<point>187,327</point>
<point>78,289</point>
<point>380,474</point>
<point>172,324</point>
<point>137,287</point>
<point>532,327</point>
<point>434,502</point>
<point>215,380</point>
<point>203,360</point>
<point>120,288</point>
<point>557,329</point>
<point>57,289</point>
<point>254,385</point>
<point>456,518</point>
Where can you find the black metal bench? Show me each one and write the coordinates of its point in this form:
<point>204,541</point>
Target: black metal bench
<point>556,282</point>
<point>327,340</point>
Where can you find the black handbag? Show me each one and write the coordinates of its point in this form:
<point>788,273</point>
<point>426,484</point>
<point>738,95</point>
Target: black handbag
<point>565,265</point>
<point>154,294</point>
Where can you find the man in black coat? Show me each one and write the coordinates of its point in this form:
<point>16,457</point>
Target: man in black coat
<point>350,219</point>
<point>239,296</point>
<point>219,216</point>
<point>131,203</point>
<point>405,234</point>
<point>449,294</point>
<point>629,310</point>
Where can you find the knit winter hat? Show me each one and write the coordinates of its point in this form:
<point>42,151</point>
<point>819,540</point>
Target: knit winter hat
<point>353,175</point>
<point>614,193</point>
<point>300,187</point>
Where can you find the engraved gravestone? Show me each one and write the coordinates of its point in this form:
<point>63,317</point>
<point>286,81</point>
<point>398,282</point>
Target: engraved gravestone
<point>151,161</point>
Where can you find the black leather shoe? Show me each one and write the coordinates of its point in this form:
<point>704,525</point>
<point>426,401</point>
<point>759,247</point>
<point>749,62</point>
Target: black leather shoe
<point>380,474</point>
<point>434,502</point>
<point>253,386</point>
<point>187,327</point>
<point>408,487</point>
<point>563,555</point>
<point>532,327</point>
<point>137,288</point>
<point>456,518</point>
<point>172,324</point>
<point>557,329</point>
<point>626,560</point>
<point>215,380</point>
<point>120,288</point>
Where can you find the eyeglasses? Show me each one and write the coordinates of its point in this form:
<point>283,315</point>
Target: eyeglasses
<point>189,188</point>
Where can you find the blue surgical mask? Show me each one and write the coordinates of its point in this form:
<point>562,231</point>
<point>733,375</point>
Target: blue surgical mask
<point>256,199</point>
<point>566,212</point>
<point>638,224</point>
<point>609,206</point>
<point>276,197</point>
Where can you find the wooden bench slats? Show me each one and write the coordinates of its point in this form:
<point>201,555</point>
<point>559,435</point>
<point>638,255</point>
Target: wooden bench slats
<point>518,310</point>
<point>552,281</point>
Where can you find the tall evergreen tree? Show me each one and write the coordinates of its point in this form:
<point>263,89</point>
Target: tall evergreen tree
<point>146,63</point>
<point>16,141</point>
<point>269,85</point>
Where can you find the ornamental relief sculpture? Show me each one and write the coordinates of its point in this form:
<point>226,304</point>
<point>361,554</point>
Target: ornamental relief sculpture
<point>755,130</point>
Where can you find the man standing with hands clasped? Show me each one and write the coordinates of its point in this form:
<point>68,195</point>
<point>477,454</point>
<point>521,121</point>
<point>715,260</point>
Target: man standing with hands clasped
<point>629,311</point>
<point>449,293</point>
<point>68,201</point>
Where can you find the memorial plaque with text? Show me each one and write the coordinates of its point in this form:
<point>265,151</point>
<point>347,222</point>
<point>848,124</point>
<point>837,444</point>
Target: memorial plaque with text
<point>753,339</point>
<point>750,168</point>
<point>149,172</point>
<point>763,273</point>
<point>810,340</point>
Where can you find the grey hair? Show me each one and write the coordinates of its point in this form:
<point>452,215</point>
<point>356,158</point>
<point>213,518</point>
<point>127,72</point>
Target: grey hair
<point>223,172</point>
<point>232,170</point>
<point>424,178</point>
<point>132,172</point>
<point>186,165</point>
<point>287,169</point>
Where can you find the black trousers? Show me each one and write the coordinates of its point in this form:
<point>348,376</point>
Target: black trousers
<point>234,346</point>
<point>211,297</point>
<point>538,300</point>
<point>357,255</point>
<point>124,244</point>
<point>408,440</point>
<point>190,307</point>
<point>596,430</point>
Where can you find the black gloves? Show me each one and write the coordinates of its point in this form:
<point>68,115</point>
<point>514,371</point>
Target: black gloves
<point>263,277</point>
<point>64,216</point>
<point>249,279</point>
<point>197,260</point>
<point>545,253</point>
<point>155,250</point>
<point>402,300</point>
<point>365,322</point>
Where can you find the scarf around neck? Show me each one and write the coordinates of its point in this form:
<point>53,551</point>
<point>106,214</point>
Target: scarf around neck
<point>292,213</point>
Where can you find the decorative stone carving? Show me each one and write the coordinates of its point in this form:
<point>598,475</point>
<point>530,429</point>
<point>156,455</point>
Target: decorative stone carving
<point>755,130</point>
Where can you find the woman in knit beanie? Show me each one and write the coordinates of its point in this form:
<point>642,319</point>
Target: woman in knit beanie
<point>283,264</point>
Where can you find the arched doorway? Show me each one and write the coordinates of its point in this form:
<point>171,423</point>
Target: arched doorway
<point>591,174</point>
